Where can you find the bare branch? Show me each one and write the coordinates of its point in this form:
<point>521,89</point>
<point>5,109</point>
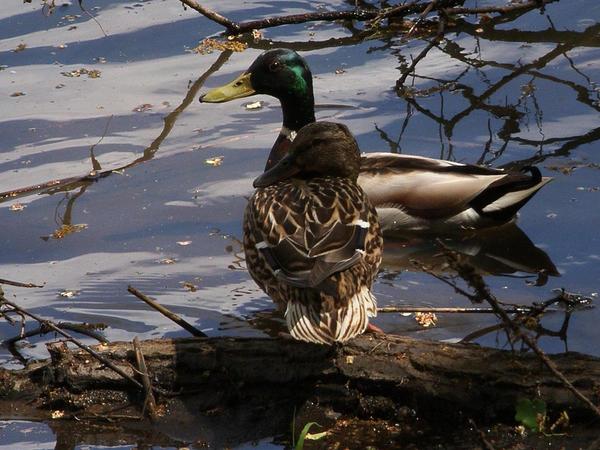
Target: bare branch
<point>165,312</point>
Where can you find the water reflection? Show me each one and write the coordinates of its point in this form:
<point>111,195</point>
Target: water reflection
<point>500,251</point>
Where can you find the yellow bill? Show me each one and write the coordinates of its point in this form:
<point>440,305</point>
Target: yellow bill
<point>239,88</point>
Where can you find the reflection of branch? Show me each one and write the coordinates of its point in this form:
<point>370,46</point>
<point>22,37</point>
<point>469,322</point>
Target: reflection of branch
<point>434,42</point>
<point>482,292</point>
<point>510,114</point>
<point>70,183</point>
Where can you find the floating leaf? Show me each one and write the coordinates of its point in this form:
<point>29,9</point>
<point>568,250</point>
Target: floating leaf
<point>254,105</point>
<point>168,261</point>
<point>189,286</point>
<point>68,293</point>
<point>209,45</point>
<point>426,319</point>
<point>214,161</point>
<point>17,207</point>
<point>65,230</point>
<point>531,413</point>
<point>91,73</point>
<point>143,108</point>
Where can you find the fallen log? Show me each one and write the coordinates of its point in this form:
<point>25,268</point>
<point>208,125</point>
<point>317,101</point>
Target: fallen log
<point>257,384</point>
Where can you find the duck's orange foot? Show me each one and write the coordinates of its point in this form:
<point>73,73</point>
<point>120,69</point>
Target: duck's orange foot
<point>374,329</point>
<point>284,335</point>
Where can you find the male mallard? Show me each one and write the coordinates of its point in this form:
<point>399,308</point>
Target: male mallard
<point>312,239</point>
<point>409,192</point>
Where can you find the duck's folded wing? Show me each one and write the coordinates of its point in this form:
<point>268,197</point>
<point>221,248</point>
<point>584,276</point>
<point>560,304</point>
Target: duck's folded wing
<point>303,248</point>
<point>431,188</point>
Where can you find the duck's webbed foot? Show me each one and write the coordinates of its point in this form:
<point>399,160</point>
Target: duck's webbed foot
<point>374,329</point>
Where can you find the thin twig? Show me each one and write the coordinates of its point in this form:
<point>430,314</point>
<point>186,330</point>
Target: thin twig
<point>165,312</point>
<point>212,15</point>
<point>458,290</point>
<point>458,310</point>
<point>354,14</point>
<point>19,284</point>
<point>421,17</point>
<point>84,329</point>
<point>149,401</point>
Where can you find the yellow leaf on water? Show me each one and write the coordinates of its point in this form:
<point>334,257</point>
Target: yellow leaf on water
<point>214,161</point>
<point>426,319</point>
<point>17,207</point>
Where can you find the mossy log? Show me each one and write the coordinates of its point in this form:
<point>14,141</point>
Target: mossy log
<point>209,384</point>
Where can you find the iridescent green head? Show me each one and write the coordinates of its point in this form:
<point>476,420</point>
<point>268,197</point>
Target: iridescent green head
<point>281,73</point>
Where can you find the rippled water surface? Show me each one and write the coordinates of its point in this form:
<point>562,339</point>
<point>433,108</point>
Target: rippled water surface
<point>167,222</point>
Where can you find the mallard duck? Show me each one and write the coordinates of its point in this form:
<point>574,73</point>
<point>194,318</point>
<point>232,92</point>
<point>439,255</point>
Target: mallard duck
<point>312,239</point>
<point>409,192</point>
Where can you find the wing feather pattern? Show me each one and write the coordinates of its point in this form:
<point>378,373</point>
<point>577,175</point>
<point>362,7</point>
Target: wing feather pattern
<point>315,246</point>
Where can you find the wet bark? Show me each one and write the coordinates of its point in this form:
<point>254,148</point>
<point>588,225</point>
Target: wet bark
<point>401,369</point>
<point>387,378</point>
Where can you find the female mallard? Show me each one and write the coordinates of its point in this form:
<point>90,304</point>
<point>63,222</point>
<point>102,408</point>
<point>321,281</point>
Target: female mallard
<point>312,239</point>
<point>409,192</point>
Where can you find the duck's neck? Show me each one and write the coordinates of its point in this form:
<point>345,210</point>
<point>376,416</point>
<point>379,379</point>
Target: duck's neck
<point>297,112</point>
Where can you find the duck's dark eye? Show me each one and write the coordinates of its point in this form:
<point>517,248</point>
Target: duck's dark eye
<point>275,66</point>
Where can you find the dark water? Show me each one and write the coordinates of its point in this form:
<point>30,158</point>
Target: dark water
<point>525,92</point>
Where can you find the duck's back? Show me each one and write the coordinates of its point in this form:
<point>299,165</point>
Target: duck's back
<point>315,246</point>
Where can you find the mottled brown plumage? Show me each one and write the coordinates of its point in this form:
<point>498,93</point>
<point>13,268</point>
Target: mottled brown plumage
<point>312,239</point>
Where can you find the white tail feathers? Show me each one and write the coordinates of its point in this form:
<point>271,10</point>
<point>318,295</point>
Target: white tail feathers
<point>306,323</point>
<point>512,198</point>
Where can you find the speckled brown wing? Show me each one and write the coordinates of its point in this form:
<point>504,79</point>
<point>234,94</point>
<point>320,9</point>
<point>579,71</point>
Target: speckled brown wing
<point>315,246</point>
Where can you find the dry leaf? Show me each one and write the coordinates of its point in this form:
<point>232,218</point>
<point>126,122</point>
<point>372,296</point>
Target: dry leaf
<point>17,207</point>
<point>91,73</point>
<point>254,105</point>
<point>426,319</point>
<point>190,286</point>
<point>143,108</point>
<point>65,230</point>
<point>68,294</point>
<point>215,161</point>
<point>168,261</point>
<point>209,45</point>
